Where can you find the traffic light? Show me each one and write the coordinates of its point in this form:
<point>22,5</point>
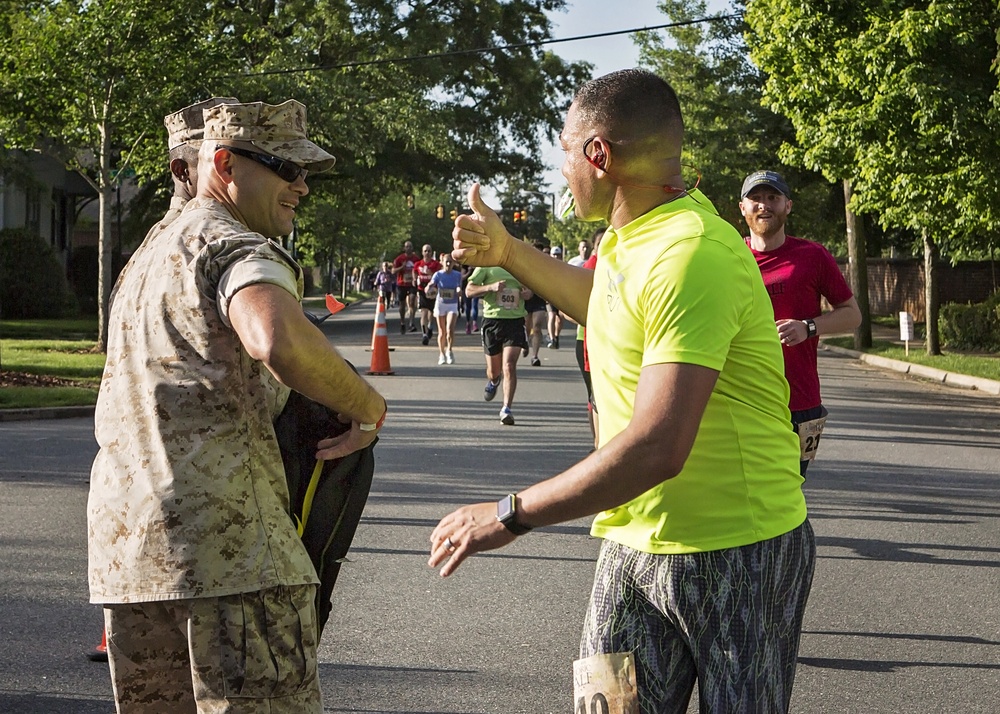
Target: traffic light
<point>439,211</point>
<point>454,214</point>
<point>409,201</point>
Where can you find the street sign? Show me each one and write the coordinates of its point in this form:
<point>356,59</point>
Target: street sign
<point>906,329</point>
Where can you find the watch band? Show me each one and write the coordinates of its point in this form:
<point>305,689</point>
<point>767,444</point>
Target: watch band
<point>507,515</point>
<point>810,327</point>
<point>377,425</point>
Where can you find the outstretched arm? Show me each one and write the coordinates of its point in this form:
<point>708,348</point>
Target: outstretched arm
<point>273,329</point>
<point>482,239</point>
<point>669,403</point>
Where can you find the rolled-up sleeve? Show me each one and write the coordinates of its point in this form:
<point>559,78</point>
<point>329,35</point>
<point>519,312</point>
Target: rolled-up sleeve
<point>263,265</point>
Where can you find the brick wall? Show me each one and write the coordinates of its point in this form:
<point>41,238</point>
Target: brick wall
<point>898,284</point>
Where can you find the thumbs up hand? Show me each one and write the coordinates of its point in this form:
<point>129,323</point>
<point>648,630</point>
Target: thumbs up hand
<point>480,239</point>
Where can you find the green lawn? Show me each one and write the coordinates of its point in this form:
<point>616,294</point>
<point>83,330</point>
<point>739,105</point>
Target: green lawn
<point>60,353</point>
<point>986,366</point>
<point>61,371</point>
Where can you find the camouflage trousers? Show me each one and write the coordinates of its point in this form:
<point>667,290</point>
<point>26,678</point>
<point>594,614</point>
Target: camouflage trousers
<point>729,619</point>
<point>251,653</point>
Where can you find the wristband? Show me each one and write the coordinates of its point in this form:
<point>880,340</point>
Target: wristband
<point>377,425</point>
<point>810,328</point>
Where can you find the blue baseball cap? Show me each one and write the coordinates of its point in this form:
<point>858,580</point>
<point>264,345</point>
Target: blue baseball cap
<point>765,178</point>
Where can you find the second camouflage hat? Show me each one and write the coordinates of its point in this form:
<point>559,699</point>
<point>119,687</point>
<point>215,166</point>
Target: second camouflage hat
<point>278,129</point>
<point>187,125</point>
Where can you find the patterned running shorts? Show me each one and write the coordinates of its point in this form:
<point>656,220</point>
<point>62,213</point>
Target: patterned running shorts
<point>728,619</point>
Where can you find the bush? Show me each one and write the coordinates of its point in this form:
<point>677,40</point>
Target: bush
<point>32,280</point>
<point>972,326</point>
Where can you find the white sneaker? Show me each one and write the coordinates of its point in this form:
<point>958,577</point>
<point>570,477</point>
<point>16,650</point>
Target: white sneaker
<point>441,359</point>
<point>449,357</point>
<point>506,418</point>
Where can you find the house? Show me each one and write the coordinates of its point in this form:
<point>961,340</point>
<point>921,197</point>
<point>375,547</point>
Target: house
<point>38,193</point>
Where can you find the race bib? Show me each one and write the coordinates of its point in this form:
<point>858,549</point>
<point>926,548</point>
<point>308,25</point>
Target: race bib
<point>509,298</point>
<point>809,434</point>
<point>446,294</point>
<point>605,684</point>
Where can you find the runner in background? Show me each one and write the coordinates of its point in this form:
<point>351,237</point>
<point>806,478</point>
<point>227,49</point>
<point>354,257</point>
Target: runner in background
<point>446,288</point>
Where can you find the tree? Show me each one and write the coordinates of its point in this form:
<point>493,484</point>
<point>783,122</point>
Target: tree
<point>728,132</point>
<point>895,96</point>
<point>93,79</point>
<point>75,81</point>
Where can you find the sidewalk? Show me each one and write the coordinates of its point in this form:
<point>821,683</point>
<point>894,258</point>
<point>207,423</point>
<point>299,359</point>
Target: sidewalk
<point>950,379</point>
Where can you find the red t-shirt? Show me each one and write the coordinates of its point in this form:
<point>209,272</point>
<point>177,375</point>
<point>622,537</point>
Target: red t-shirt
<point>405,276</point>
<point>424,270</point>
<point>796,275</point>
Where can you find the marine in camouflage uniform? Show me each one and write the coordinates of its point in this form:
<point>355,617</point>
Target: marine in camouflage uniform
<point>208,590</point>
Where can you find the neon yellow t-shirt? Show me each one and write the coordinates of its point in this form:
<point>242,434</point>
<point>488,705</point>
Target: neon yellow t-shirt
<point>679,285</point>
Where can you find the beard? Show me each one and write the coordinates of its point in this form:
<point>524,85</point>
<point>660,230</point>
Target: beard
<point>766,226</point>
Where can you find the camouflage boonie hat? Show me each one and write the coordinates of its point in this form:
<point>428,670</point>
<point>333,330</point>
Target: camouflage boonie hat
<point>278,129</point>
<point>187,126</point>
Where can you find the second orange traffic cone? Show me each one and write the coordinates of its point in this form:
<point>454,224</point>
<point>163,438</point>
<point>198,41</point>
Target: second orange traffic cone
<point>380,342</point>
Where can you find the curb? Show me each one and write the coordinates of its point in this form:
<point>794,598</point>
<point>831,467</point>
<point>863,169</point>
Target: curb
<point>963,381</point>
<point>46,413</point>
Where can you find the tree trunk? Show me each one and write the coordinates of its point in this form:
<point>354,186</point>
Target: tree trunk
<point>857,256</point>
<point>931,294</point>
<point>104,243</point>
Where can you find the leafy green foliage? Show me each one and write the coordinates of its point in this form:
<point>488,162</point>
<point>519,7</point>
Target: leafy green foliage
<point>896,95</point>
<point>90,80</point>
<point>728,132</point>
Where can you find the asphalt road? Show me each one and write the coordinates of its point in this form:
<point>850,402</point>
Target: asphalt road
<point>904,614</point>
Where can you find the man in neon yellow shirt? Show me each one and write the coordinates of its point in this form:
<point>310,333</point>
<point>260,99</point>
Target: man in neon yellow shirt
<point>708,557</point>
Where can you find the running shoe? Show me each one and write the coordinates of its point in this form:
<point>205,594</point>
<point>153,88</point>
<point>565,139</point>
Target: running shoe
<point>535,362</point>
<point>506,418</point>
<point>441,359</point>
<point>491,389</point>
<point>468,328</point>
<point>449,357</point>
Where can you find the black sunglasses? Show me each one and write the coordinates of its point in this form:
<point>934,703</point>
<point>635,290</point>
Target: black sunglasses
<point>286,170</point>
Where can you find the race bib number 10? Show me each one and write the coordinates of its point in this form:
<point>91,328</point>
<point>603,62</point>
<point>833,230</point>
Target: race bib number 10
<point>605,684</point>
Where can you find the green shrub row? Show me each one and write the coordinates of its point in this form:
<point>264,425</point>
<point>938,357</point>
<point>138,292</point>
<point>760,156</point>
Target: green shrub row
<point>32,280</point>
<point>972,326</point>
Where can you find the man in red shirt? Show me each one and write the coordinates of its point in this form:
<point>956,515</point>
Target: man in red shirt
<point>797,274</point>
<point>406,288</point>
<point>424,269</point>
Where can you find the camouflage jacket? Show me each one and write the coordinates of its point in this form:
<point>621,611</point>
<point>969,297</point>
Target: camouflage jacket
<point>188,496</point>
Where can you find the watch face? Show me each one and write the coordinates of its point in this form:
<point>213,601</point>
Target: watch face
<point>505,508</point>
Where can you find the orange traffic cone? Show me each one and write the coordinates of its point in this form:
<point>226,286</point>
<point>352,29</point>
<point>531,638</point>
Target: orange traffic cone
<point>380,343</point>
<point>100,653</point>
